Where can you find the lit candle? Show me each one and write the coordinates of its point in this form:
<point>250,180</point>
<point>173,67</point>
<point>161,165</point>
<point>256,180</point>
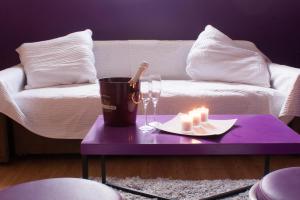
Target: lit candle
<point>204,114</point>
<point>196,116</point>
<point>186,122</point>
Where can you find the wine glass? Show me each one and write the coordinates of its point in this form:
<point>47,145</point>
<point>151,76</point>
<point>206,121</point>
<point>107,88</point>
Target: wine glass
<point>155,92</point>
<point>145,91</point>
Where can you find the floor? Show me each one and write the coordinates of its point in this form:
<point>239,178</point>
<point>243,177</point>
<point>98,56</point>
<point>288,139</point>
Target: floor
<point>24,169</point>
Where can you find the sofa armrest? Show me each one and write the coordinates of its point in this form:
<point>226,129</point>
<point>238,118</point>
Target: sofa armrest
<point>287,80</point>
<point>13,79</point>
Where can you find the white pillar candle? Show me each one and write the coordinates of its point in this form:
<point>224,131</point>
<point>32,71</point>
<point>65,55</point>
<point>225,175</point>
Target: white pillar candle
<point>196,117</point>
<point>204,114</point>
<point>186,122</point>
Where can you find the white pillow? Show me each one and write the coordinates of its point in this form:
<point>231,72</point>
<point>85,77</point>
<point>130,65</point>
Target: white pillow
<point>64,60</point>
<point>216,57</point>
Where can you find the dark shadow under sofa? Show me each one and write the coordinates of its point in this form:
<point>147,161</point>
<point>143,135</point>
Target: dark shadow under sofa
<point>17,140</point>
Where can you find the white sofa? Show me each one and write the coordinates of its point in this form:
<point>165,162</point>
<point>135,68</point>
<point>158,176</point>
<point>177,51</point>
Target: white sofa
<point>67,112</point>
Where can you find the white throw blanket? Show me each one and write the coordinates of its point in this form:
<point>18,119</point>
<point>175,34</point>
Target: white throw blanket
<point>69,111</point>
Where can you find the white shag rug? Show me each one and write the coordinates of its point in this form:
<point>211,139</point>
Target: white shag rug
<point>181,189</point>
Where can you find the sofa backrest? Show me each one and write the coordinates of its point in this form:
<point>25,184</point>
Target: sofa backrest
<point>121,58</point>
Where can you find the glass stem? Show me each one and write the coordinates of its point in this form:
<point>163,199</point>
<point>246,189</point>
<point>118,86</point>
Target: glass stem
<point>154,113</point>
<point>145,112</point>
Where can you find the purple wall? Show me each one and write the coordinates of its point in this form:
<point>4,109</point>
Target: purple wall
<point>274,25</point>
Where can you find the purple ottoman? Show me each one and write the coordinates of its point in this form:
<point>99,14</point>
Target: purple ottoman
<point>282,184</point>
<point>60,189</point>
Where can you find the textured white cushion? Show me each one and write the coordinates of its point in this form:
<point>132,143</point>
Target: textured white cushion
<point>60,61</point>
<point>216,57</point>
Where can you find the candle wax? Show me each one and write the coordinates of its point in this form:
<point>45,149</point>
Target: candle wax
<point>196,117</point>
<point>186,123</point>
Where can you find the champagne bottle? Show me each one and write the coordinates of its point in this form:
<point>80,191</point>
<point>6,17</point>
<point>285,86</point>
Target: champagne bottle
<point>143,66</point>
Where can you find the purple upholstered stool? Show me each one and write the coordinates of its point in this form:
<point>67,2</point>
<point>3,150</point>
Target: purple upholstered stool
<point>282,184</point>
<point>60,189</point>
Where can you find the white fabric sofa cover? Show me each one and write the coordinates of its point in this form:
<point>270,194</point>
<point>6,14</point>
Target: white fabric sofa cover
<point>69,111</point>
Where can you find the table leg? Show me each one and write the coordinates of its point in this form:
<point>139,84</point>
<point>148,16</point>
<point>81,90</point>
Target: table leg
<point>85,167</point>
<point>242,189</point>
<point>125,189</point>
<point>103,169</point>
<point>266,165</point>
<point>228,193</point>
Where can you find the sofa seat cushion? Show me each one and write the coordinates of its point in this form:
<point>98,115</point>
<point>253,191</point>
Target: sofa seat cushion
<point>69,111</point>
<point>219,97</point>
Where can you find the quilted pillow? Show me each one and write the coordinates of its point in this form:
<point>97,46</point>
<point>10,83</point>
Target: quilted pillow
<point>216,57</point>
<point>64,60</point>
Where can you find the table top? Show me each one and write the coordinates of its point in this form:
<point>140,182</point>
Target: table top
<point>60,188</point>
<point>251,135</point>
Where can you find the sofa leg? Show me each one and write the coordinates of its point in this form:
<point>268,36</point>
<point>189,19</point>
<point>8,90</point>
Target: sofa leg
<point>5,130</point>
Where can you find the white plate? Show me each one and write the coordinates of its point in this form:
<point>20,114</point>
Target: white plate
<point>212,127</point>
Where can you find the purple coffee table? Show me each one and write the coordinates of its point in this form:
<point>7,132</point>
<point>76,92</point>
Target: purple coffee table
<point>251,135</point>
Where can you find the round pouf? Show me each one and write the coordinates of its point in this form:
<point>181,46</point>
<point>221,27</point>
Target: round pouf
<point>282,184</point>
<point>60,189</point>
<point>252,195</point>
